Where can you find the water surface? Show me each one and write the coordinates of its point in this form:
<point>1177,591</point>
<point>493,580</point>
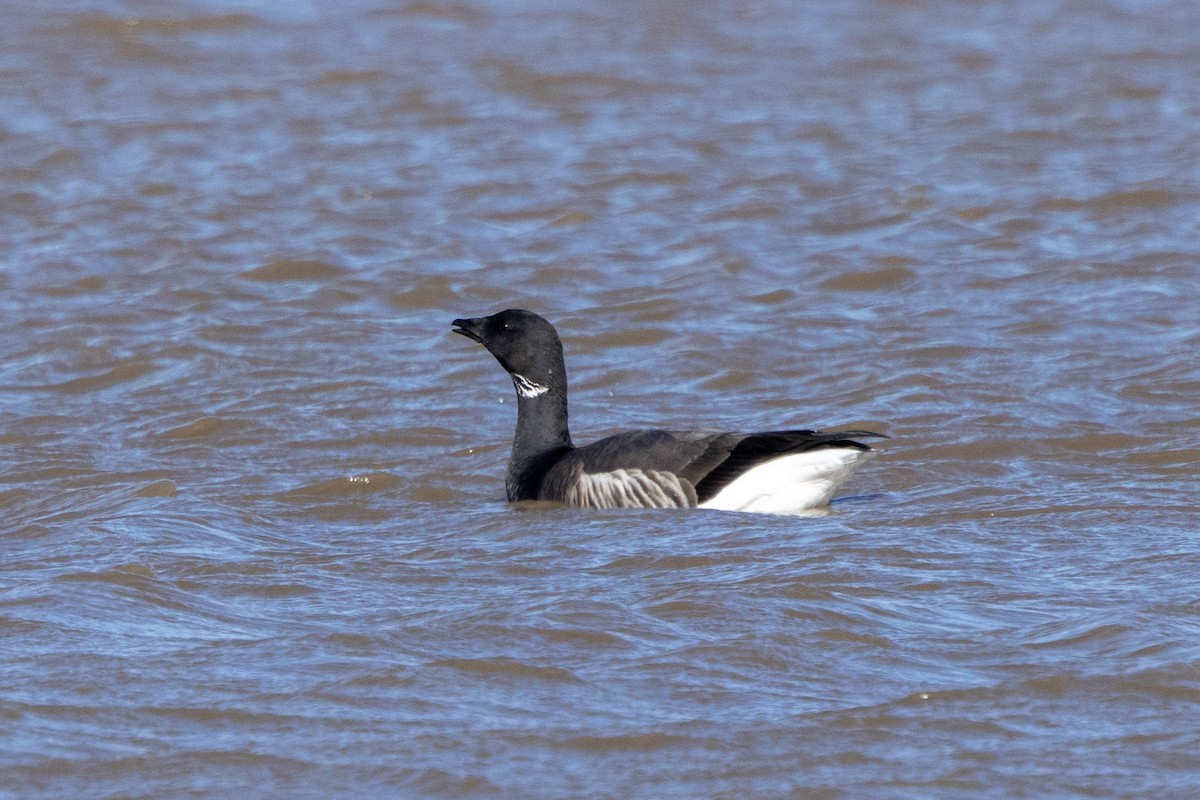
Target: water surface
<point>251,486</point>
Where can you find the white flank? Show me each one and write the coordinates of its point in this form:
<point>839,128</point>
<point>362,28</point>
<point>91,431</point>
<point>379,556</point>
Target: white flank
<point>527,388</point>
<point>791,484</point>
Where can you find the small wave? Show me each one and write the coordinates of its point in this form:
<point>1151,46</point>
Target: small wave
<point>506,667</point>
<point>205,428</point>
<point>1115,202</point>
<point>348,486</point>
<point>635,742</point>
<point>296,269</point>
<point>124,371</point>
<point>121,27</point>
<point>133,575</point>
<point>885,278</point>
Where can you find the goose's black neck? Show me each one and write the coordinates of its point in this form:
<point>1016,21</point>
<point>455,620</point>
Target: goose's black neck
<point>542,433</point>
<point>528,348</point>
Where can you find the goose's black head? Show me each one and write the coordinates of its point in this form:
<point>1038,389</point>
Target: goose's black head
<point>525,344</point>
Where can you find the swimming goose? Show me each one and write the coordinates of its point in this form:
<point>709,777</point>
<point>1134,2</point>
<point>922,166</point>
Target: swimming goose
<point>773,472</point>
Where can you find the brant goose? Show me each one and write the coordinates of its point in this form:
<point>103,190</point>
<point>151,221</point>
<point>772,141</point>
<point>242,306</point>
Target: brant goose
<point>774,472</point>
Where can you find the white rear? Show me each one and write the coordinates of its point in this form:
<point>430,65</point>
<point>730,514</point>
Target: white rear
<point>791,484</point>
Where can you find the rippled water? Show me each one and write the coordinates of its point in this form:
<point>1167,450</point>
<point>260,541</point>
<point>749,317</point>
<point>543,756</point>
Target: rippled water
<point>251,486</point>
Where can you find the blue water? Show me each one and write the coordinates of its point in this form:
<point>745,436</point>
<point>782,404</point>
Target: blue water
<point>251,486</point>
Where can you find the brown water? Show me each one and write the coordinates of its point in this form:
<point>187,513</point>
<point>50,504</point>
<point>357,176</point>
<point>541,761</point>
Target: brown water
<point>254,543</point>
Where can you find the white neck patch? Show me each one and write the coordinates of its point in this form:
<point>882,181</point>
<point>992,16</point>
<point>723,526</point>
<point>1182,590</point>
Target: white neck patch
<point>527,388</point>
